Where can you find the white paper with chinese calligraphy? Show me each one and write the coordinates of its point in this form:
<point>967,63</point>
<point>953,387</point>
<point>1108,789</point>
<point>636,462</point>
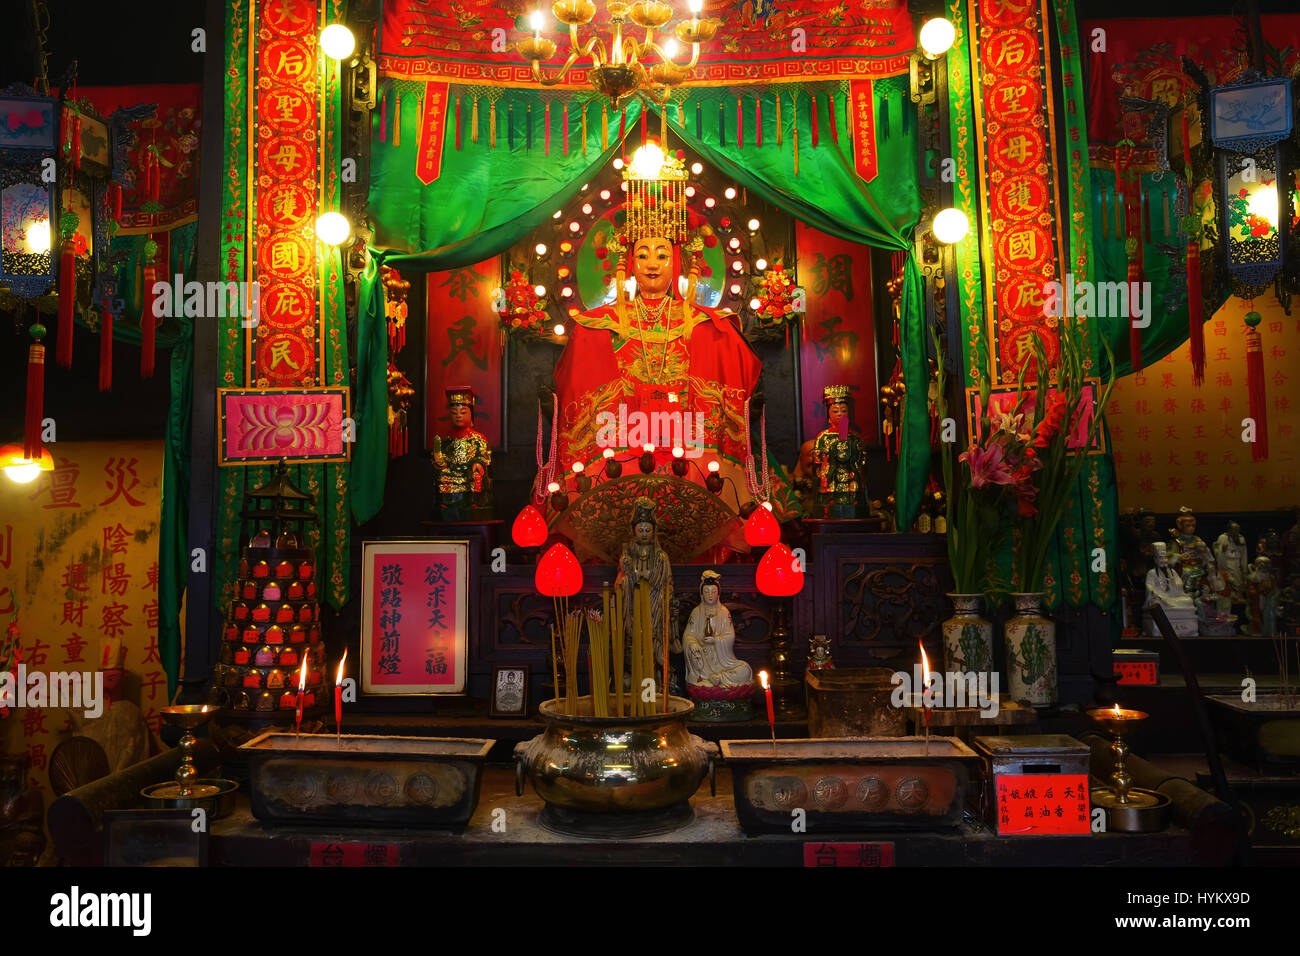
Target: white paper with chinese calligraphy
<point>414,617</point>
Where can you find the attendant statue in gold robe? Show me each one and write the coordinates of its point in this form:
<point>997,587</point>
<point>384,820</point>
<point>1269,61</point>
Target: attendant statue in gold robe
<point>840,459</point>
<point>461,460</point>
<point>644,567</point>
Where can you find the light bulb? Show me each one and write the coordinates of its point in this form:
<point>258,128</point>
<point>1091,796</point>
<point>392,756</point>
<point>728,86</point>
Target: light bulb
<point>767,505</point>
<point>559,328</point>
<point>690,192</point>
<point>607,453</point>
<point>737,266</point>
<point>950,226</point>
<point>535,19</point>
<point>937,37</point>
<point>678,451</point>
<point>604,194</point>
<point>540,248</point>
<point>332,228</point>
<point>566,292</point>
<point>696,5</point>
<point>578,468</point>
<point>755,303</point>
<point>753,225</point>
<point>730,192</point>
<point>670,49</point>
<point>559,213</point>
<point>337,41</point>
<point>697,168</point>
<point>714,466</point>
<point>575,226</point>
<point>540,290</point>
<point>710,202</point>
<point>735,288</point>
<point>648,448</point>
<point>618,162</point>
<point>553,487</point>
<point>24,473</point>
<point>586,209</point>
<point>38,238</point>
<point>760,264</point>
<point>734,243</point>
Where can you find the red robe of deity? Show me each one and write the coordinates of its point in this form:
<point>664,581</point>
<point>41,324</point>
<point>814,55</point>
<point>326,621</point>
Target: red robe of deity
<point>689,376</point>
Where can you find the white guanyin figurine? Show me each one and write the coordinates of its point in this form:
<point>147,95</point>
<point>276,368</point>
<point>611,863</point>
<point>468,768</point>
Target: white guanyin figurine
<point>1165,589</point>
<point>708,642</point>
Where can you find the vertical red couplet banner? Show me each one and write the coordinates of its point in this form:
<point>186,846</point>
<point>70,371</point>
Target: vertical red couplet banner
<point>428,162</point>
<point>864,128</point>
<point>464,346</point>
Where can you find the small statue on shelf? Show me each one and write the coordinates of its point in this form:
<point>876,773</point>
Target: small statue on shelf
<point>803,479</point>
<point>1189,554</point>
<point>645,565</point>
<point>1230,558</point>
<point>840,459</point>
<point>1214,605</point>
<point>1261,598</point>
<point>718,682</point>
<point>461,460</point>
<point>1165,589</point>
<point>820,658</point>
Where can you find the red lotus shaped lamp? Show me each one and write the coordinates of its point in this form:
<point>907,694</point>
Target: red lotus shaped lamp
<point>777,575</point>
<point>529,529</point>
<point>558,573</point>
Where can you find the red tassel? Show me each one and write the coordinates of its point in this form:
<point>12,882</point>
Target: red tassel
<point>830,109</point>
<point>67,299</point>
<point>564,122</point>
<point>155,181</point>
<point>546,139</point>
<point>758,120</point>
<point>1134,333</point>
<point>105,350</point>
<point>740,124</point>
<point>115,201</point>
<point>35,399</point>
<point>622,126</point>
<point>1255,389</point>
<point>148,324</point>
<point>1195,316</point>
<point>76,141</point>
<point>458,124</point>
<point>814,119</point>
<point>383,117</point>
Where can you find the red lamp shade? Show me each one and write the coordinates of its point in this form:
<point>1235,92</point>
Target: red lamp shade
<point>558,573</point>
<point>776,575</point>
<point>761,528</point>
<point>529,529</point>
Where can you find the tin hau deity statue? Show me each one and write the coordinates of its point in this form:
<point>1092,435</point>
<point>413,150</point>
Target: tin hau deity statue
<point>461,460</point>
<point>840,459</point>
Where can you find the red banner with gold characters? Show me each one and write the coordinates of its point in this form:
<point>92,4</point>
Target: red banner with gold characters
<point>286,106</point>
<point>839,340</point>
<point>1017,159</point>
<point>433,121</point>
<point>864,129</point>
<point>464,346</point>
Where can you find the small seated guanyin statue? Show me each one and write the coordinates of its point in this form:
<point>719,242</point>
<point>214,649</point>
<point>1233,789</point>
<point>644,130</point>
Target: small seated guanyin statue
<point>720,684</point>
<point>1165,589</point>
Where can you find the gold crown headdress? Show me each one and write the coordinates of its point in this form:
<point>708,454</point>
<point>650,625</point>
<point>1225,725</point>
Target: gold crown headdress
<point>836,393</point>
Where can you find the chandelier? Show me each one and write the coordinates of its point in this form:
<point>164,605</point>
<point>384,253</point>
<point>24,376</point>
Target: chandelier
<point>619,69</point>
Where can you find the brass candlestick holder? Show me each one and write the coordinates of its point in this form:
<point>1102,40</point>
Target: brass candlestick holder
<point>1128,809</point>
<point>186,791</point>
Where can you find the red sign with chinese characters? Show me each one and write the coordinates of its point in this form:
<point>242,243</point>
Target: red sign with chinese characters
<point>1138,672</point>
<point>864,129</point>
<point>1036,804</point>
<point>848,854</point>
<point>353,854</point>
<point>464,346</point>
<point>414,636</point>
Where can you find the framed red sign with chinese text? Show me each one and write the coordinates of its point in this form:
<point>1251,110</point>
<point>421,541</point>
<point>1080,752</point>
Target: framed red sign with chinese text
<point>414,617</point>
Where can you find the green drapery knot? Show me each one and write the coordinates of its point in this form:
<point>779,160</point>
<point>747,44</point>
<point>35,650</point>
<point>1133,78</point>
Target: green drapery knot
<point>68,223</point>
<point>37,331</point>
<point>1253,319</point>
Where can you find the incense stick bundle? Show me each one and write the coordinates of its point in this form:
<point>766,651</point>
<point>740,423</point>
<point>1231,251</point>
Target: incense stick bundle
<point>598,656</point>
<point>572,636</point>
<point>647,649</point>
<point>638,660</point>
<point>617,637</point>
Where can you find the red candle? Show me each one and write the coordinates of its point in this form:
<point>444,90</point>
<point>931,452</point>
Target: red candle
<point>338,697</point>
<point>302,685</point>
<point>771,715</point>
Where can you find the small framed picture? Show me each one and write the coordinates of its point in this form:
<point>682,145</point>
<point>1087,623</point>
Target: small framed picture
<point>509,692</point>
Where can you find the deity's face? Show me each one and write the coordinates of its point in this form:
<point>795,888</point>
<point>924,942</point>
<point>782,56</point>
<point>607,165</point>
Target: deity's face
<point>1148,522</point>
<point>652,265</point>
<point>1186,524</point>
<point>1161,554</point>
<point>1234,530</point>
<point>835,411</point>
<point>461,416</point>
<point>709,594</point>
<point>806,455</point>
<point>644,531</point>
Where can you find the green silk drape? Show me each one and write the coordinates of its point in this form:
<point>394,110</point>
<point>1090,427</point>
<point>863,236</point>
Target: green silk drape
<point>486,199</point>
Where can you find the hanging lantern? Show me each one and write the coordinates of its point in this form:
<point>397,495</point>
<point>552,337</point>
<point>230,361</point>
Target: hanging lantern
<point>558,573</point>
<point>761,528</point>
<point>27,210</point>
<point>1249,123</point>
<point>529,529</point>
<point>777,575</point>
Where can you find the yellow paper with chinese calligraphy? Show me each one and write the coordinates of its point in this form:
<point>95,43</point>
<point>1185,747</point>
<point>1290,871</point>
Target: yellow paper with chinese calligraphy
<point>79,567</point>
<point>1176,444</point>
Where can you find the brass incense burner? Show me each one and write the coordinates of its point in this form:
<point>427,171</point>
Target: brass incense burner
<point>615,775</point>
